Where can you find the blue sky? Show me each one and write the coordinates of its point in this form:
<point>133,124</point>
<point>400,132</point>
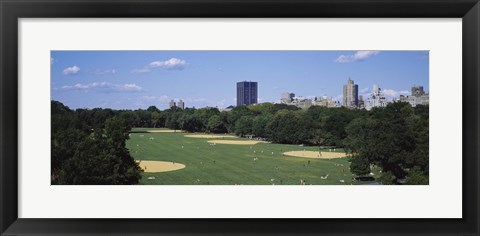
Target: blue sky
<point>138,79</point>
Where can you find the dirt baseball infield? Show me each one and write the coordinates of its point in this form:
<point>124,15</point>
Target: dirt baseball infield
<point>236,142</point>
<point>209,136</point>
<point>159,166</point>
<point>165,131</point>
<point>316,154</point>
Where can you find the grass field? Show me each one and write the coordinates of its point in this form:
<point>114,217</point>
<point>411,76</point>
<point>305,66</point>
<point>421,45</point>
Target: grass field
<point>226,164</point>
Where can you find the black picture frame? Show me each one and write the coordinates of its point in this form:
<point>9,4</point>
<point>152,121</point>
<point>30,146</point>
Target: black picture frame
<point>12,10</point>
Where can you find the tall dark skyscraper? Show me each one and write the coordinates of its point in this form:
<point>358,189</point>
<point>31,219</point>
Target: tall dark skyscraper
<point>247,93</point>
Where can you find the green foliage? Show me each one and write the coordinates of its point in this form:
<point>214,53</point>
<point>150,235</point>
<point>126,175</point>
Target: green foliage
<point>173,120</point>
<point>394,138</point>
<point>243,126</point>
<point>153,109</point>
<point>360,165</point>
<point>387,178</point>
<point>334,122</point>
<point>259,125</point>
<point>157,119</point>
<point>97,160</point>
<point>215,124</point>
<point>417,177</point>
<point>86,151</point>
<point>289,127</point>
<point>360,131</point>
<point>263,108</point>
<point>131,118</point>
<point>191,123</point>
<point>282,127</point>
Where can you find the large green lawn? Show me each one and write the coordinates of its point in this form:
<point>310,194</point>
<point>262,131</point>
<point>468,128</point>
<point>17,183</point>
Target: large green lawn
<point>232,164</point>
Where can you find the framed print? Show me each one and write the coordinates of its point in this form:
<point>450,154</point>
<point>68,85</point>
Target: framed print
<point>226,117</point>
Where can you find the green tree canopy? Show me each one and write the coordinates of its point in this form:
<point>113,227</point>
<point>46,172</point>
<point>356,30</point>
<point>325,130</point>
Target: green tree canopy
<point>243,126</point>
<point>215,124</point>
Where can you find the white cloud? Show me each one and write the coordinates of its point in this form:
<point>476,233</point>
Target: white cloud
<point>221,103</point>
<point>76,86</point>
<point>105,86</point>
<point>338,97</point>
<point>129,87</point>
<point>164,98</point>
<point>390,93</point>
<point>105,72</point>
<point>170,64</point>
<point>365,96</point>
<point>358,56</point>
<point>140,71</point>
<point>52,60</point>
<point>71,70</point>
<point>148,98</point>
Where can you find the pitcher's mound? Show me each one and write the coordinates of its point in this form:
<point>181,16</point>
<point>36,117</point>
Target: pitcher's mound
<point>209,136</point>
<point>236,142</point>
<point>316,154</point>
<point>165,131</point>
<point>159,166</point>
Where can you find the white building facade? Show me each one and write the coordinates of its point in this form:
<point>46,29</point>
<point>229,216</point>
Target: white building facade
<point>376,99</point>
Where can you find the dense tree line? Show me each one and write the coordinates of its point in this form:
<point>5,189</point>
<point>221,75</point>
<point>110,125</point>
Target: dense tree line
<point>394,138</point>
<point>88,147</point>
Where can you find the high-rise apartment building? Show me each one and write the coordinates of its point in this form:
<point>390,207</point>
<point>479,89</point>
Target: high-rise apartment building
<point>171,104</point>
<point>247,93</point>
<point>350,94</point>
<point>180,104</point>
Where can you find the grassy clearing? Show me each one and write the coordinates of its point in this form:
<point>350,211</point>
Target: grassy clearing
<point>233,164</point>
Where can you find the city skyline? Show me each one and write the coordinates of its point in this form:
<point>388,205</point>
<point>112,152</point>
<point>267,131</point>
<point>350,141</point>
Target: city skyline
<point>138,79</point>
